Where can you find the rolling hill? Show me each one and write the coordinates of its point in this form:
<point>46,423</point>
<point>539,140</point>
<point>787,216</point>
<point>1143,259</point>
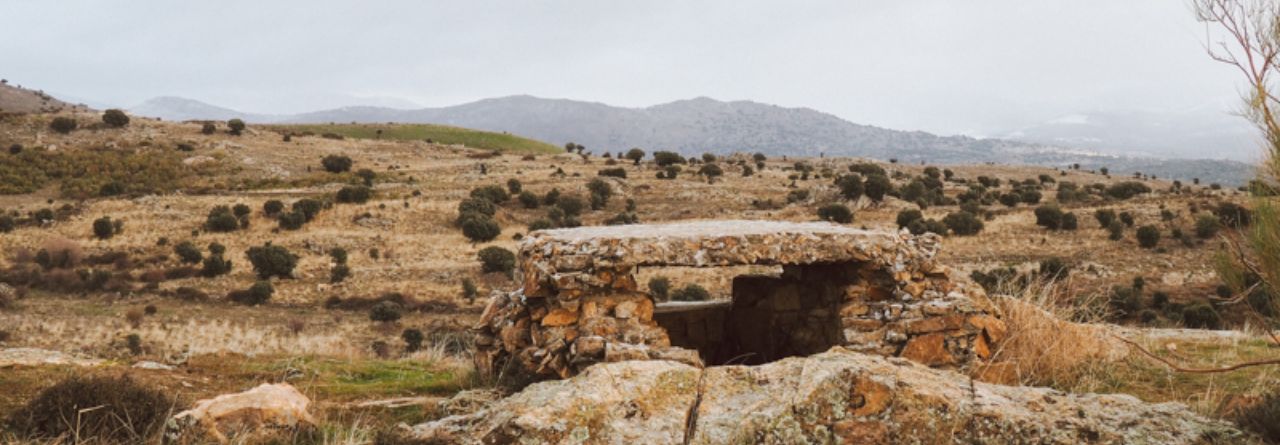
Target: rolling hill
<point>708,125</point>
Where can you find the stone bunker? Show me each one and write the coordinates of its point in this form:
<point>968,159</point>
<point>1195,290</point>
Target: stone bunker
<point>871,291</point>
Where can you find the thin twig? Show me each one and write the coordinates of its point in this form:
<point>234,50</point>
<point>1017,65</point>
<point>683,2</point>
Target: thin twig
<point>1176,367</point>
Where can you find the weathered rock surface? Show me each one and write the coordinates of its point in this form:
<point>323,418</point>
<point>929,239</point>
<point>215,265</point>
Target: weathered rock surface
<point>839,396</point>
<point>260,411</point>
<point>37,357</point>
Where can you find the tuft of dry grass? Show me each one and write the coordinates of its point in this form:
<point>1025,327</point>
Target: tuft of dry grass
<point>1044,348</point>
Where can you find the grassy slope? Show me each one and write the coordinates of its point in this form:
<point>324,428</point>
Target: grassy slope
<point>441,134</point>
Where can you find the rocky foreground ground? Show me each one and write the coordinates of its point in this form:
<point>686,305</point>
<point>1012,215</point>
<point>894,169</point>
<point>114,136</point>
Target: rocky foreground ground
<point>839,396</point>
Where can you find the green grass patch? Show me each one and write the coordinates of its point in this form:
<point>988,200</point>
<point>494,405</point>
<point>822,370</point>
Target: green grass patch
<point>441,134</point>
<point>340,379</point>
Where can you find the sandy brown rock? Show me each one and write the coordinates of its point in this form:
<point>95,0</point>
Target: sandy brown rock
<point>839,396</point>
<point>263,410</point>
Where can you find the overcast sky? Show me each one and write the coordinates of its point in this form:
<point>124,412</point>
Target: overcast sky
<point>945,66</point>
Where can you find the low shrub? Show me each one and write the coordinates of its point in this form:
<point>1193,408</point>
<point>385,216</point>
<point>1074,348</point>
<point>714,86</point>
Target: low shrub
<point>907,216</point>
<point>103,228</point>
<point>412,340</point>
<point>354,194</point>
<point>480,228</point>
<point>272,207</point>
<point>1201,316</point>
<point>104,408</point>
<point>492,193</point>
<point>963,223</point>
<point>618,172</point>
<point>269,260</point>
<point>1148,236</point>
<point>188,252</point>
<point>497,259</point>
<point>660,288</point>
<point>386,312</point>
<point>691,292</point>
<point>257,294</point>
<point>63,124</point>
<point>837,213</point>
<point>1262,418</point>
<point>336,163</point>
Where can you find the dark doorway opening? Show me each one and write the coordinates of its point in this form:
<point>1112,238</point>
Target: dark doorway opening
<point>768,319</point>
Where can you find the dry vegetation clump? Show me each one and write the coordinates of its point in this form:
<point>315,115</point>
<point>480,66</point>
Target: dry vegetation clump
<point>1044,348</point>
<point>105,409</point>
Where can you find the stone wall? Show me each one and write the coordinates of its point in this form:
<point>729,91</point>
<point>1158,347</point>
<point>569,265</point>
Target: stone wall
<point>878,292</point>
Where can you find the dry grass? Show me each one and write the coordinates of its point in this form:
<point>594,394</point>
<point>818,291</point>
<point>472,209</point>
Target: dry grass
<point>1043,348</point>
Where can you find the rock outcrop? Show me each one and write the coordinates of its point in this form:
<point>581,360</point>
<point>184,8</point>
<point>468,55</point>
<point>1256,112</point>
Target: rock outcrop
<point>261,411</point>
<point>839,396</point>
<point>879,292</point>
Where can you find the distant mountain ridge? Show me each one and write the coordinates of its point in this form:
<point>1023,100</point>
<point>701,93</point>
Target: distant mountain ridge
<point>703,124</point>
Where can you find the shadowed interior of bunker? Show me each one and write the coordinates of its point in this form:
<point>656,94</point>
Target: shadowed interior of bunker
<point>769,317</point>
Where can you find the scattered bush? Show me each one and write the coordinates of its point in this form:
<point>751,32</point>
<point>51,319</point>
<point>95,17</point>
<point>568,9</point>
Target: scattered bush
<point>108,409</point>
<point>235,127</point>
<point>272,261</point>
<point>660,288</point>
<point>666,158</point>
<point>104,228</point>
<point>876,186</point>
<point>63,124</point>
<point>292,220</point>
<point>492,193</point>
<point>188,252</point>
<point>115,118</point>
<point>1148,236</point>
<point>478,227</point>
<point>1126,300</point>
<point>1127,189</point>
<point>208,128</point>
<point>907,216</point>
<point>1054,268</point>
<point>1233,215</point>
<point>308,207</point>
<point>571,205</point>
<point>339,273</point>
<point>354,194</point>
<point>1127,219</point>
<point>367,176</point>
<point>514,186</point>
<point>1069,221</point>
<point>257,294</point>
<point>497,259</point>
<point>412,340</point>
<point>272,207</point>
<point>1262,417</point>
<point>385,312</point>
<point>1201,316</point>
<point>851,187</point>
<point>963,223</point>
<point>1206,226</point>
<point>1104,217</point>
<point>837,213</point>
<point>618,172</point>
<point>691,292</point>
<point>221,219</point>
<point>921,226</point>
<point>1049,217</point>
<point>1115,230</point>
<point>528,200</point>
<point>336,163</point>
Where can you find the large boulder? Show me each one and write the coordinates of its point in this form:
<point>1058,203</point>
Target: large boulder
<point>839,396</point>
<point>260,411</point>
